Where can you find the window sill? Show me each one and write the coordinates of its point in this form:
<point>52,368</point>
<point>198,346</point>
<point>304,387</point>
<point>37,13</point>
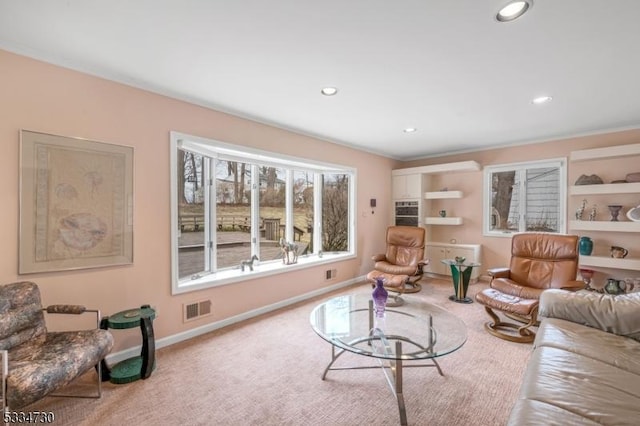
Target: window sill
<point>234,275</point>
<point>501,234</point>
<point>509,234</point>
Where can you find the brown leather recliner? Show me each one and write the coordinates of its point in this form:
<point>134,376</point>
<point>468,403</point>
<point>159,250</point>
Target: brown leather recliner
<point>539,261</point>
<point>402,264</point>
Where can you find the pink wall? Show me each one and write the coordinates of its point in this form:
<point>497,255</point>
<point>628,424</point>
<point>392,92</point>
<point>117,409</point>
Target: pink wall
<point>42,97</point>
<point>46,98</point>
<point>496,249</point>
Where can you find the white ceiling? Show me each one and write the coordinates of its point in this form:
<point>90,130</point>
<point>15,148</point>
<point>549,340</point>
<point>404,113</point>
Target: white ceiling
<point>445,67</point>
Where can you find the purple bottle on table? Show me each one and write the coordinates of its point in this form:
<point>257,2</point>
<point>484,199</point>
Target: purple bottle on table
<point>379,296</point>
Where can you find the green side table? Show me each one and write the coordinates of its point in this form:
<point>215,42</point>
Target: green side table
<point>460,274</point>
<point>138,367</point>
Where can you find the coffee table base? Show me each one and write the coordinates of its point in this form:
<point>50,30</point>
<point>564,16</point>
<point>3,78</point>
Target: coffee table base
<point>394,381</point>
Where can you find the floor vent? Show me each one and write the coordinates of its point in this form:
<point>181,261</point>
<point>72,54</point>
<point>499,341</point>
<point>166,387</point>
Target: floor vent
<point>196,310</point>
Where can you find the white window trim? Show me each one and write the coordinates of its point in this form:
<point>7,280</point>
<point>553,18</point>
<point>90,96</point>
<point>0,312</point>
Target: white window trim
<point>240,153</point>
<point>561,163</point>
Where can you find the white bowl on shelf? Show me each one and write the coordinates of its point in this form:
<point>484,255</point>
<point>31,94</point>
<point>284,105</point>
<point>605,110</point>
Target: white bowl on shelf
<point>634,214</point>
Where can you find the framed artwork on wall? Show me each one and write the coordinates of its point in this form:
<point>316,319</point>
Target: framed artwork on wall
<point>76,203</point>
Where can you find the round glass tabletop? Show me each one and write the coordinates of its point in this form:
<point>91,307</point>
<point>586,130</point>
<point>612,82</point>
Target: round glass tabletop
<point>347,322</point>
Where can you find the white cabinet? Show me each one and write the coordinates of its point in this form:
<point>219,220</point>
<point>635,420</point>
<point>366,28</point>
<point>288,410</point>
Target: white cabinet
<point>407,187</point>
<point>437,252</point>
<point>593,228</point>
<point>406,193</point>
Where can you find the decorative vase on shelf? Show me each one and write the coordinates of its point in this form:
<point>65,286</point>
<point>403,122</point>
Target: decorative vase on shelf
<point>613,287</point>
<point>380,295</point>
<point>585,246</point>
<point>614,210</point>
<point>587,275</point>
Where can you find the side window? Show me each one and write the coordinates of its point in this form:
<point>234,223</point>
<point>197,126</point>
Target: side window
<point>191,218</point>
<point>525,197</point>
<point>303,202</point>
<point>335,212</point>
<point>232,228</point>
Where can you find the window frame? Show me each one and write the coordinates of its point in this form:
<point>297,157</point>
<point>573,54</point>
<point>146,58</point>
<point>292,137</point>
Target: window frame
<point>217,149</point>
<point>560,163</point>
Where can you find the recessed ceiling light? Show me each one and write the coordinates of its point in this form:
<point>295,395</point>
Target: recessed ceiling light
<point>410,130</point>
<point>541,100</point>
<point>329,91</point>
<point>513,10</point>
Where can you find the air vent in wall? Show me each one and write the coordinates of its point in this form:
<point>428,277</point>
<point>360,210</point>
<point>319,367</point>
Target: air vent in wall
<point>196,310</point>
<point>330,274</point>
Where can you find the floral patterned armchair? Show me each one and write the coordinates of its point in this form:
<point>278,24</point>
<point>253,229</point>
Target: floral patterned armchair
<point>36,362</point>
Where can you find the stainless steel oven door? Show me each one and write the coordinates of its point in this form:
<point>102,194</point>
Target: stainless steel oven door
<point>406,220</point>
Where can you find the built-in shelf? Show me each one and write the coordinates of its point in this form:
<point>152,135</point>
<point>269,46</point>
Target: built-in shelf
<point>443,221</point>
<point>439,195</point>
<point>610,262</point>
<point>610,190</point>
<point>600,225</point>
<point>461,166</point>
<point>604,153</point>
<point>605,188</point>
<point>422,175</point>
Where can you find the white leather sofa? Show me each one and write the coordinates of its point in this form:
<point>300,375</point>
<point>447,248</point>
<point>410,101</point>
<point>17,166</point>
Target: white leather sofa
<point>585,365</point>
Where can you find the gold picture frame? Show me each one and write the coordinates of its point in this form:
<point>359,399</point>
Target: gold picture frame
<point>76,203</point>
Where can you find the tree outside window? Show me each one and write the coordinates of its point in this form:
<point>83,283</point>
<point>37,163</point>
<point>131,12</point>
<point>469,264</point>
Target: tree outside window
<point>525,197</point>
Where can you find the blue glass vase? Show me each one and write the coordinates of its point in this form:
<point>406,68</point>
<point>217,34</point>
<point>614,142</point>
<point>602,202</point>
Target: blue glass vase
<point>585,246</point>
<point>380,295</point>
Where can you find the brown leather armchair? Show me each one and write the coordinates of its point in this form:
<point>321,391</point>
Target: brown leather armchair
<point>539,261</point>
<point>402,264</point>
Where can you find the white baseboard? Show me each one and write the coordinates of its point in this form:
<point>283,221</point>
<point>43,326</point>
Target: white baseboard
<point>194,332</point>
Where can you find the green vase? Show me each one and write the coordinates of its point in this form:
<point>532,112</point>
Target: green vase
<point>585,246</point>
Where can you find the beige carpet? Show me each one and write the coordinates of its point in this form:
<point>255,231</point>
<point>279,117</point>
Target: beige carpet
<point>266,371</point>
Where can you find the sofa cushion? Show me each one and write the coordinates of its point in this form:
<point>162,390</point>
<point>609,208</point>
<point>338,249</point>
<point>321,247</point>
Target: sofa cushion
<point>579,387</point>
<point>510,287</point>
<point>617,351</point>
<point>531,412</point>
<point>506,302</point>
<point>614,314</point>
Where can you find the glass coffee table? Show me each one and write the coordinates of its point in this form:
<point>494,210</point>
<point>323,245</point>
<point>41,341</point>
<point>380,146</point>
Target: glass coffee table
<point>417,331</point>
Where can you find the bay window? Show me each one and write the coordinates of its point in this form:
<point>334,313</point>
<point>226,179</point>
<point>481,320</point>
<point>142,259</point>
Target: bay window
<point>232,209</point>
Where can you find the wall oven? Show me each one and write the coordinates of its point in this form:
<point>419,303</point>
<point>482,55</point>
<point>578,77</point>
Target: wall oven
<point>407,213</point>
